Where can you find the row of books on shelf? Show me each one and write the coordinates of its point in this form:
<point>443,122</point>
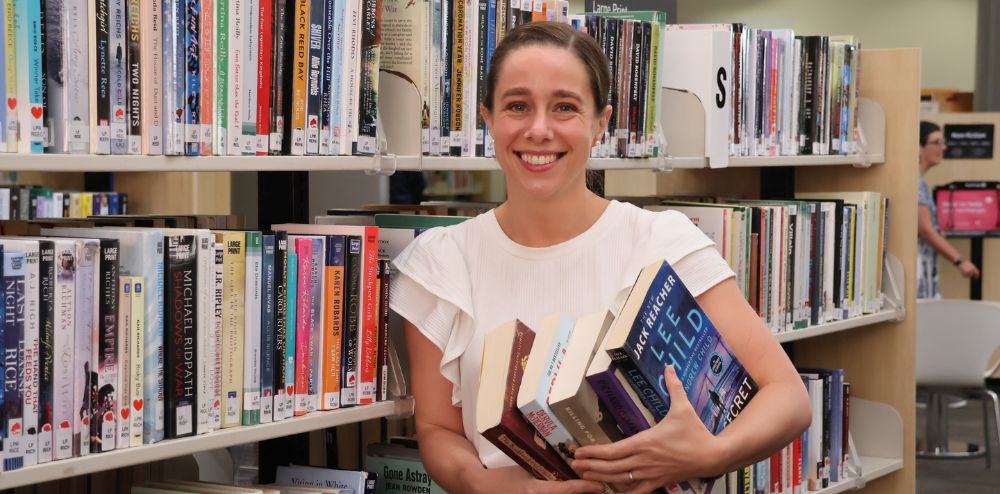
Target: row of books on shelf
<point>30,202</point>
<point>800,262</point>
<point>289,480</point>
<point>592,380</point>
<point>190,77</point>
<point>120,336</point>
<point>768,92</point>
<point>820,456</point>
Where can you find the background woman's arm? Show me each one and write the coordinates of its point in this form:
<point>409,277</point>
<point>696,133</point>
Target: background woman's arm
<point>926,231</point>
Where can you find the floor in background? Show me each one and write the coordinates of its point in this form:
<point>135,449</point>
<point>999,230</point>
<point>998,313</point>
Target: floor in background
<point>965,476</point>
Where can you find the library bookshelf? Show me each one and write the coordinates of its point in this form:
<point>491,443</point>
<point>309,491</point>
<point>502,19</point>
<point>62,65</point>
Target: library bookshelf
<point>882,420</point>
<point>878,354</point>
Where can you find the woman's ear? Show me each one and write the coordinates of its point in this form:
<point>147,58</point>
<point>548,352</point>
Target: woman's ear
<point>487,116</point>
<point>605,117</point>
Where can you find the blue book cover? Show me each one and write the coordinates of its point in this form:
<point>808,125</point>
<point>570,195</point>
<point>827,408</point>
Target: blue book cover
<point>14,273</point>
<point>662,325</point>
<point>267,345</point>
<point>616,400</point>
<point>291,294</point>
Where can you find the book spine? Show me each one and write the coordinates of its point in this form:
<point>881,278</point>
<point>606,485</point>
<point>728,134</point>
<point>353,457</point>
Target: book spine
<point>137,328</point>
<point>10,74</point>
<point>134,78</point>
<point>303,249</point>
<point>537,410</point>
<point>29,75</point>
<point>314,64</point>
<point>457,77</point>
<point>368,335</point>
<point>316,323</point>
<point>217,287</point>
<point>487,22</point>
<point>234,277</point>
<point>280,321</point>
<point>173,77</point>
<point>221,91</point>
<point>338,83</point>
<point>47,351</point>
<point>382,361</point>
<point>180,347</point>
<point>235,74</point>
<point>207,342</point>
<point>64,384</point>
<point>123,424</point>
<point>371,48</point>
<point>264,71</point>
<point>117,53</point>
<point>435,74</point>
<point>278,75</point>
<point>350,94</point>
<point>267,333</point>
<point>251,33</point>
<point>291,328</point>
<point>192,77</point>
<point>7,112</point>
<point>104,424</point>
<point>151,76</point>
<point>300,73</point>
<point>14,274</point>
<point>352,321</point>
<point>447,45</point>
<point>29,354</point>
<point>54,63</point>
<point>85,330</point>
<point>251,330</point>
<point>206,112</point>
<point>333,322</point>
<point>325,117</point>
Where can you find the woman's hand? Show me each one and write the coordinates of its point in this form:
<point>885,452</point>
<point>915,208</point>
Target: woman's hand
<point>677,449</point>
<point>517,479</point>
<point>968,269</point>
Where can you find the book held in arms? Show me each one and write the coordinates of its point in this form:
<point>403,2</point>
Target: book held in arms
<point>497,416</point>
<point>662,324</point>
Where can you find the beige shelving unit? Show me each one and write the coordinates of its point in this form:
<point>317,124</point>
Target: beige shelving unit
<point>878,353</point>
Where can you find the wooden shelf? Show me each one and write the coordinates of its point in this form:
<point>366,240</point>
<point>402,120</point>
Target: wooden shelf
<point>214,440</point>
<point>837,326</point>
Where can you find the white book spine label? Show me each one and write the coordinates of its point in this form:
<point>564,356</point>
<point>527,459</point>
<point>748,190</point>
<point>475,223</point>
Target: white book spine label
<point>263,144</point>
<point>192,133</point>
<point>155,140</point>
<point>232,408</point>
<point>331,401</point>
<point>103,139</point>
<point>184,423</point>
<point>108,432</point>
<point>267,408</point>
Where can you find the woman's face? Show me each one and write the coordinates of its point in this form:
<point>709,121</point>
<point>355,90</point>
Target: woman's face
<point>932,153</point>
<point>544,122</point>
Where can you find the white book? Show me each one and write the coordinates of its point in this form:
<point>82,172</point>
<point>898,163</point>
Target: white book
<point>4,203</point>
<point>471,64</point>
<point>251,332</point>
<point>63,384</point>
<point>85,330</point>
<point>141,254</point>
<point>359,482</point>
<point>237,45</point>
<point>151,43</point>
<point>123,414</point>
<point>30,383</point>
<point>136,369</point>
<point>251,33</point>
<point>174,77</point>
<point>10,78</point>
<point>352,72</point>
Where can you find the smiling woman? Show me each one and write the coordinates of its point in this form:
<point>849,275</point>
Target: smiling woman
<point>555,247</point>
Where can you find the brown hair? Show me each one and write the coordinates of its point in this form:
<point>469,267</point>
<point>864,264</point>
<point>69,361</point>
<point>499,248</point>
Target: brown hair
<point>559,35</point>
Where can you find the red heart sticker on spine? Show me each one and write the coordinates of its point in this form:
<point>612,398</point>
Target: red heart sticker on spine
<point>36,111</point>
<point>289,390</point>
<point>64,424</point>
<point>108,417</point>
<point>86,421</point>
<point>125,412</point>
<point>16,428</point>
<point>11,103</point>
<point>46,428</point>
<point>137,404</point>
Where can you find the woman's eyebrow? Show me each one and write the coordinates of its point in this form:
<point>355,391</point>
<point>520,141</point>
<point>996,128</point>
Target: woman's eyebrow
<point>515,91</point>
<point>562,93</point>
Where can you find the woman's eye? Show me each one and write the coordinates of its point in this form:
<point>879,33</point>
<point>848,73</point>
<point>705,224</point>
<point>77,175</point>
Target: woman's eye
<point>565,107</point>
<point>517,107</point>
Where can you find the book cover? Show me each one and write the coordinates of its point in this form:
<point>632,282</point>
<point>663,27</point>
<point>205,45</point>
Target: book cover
<point>264,68</point>
<point>31,130</point>
<point>221,80</point>
<point>617,397</point>
<point>14,276</point>
<point>206,114</point>
<point>303,322</point>
<point>279,57</point>
<point>55,61</point>
<point>351,334</point>
<point>10,74</point>
<point>151,76</point>
<point>497,417</point>
<point>63,383</point>
<point>662,324</point>
<point>174,76</point>
<point>371,49</point>
<point>251,330</point>
<point>118,47</point>
<point>291,326</point>
<point>207,343</point>
<point>382,359</point>
<point>326,74</point>
<point>103,423</point>
<point>123,412</point>
<point>267,333</point>
<point>280,322</point>
<point>234,276</point>
<point>180,346</point>
<point>251,35</point>
<point>316,345</point>
<point>314,63</point>
<point>30,384</point>
<point>192,77</point>
<point>134,77</point>
<point>235,75</point>
<point>333,321</point>
<point>300,73</point>
<point>86,330</point>
<point>218,329</point>
<point>358,482</point>
<point>47,350</point>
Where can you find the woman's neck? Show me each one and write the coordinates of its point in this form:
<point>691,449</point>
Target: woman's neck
<point>546,223</point>
<point>924,166</point>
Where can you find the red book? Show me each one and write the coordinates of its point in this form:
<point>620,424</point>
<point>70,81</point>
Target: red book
<point>497,416</point>
<point>264,39</point>
<point>303,325</point>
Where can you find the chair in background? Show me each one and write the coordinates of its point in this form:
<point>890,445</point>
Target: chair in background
<point>955,340</point>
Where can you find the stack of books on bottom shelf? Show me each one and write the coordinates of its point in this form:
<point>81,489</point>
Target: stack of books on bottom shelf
<point>544,393</point>
<point>119,337</point>
<point>290,480</point>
